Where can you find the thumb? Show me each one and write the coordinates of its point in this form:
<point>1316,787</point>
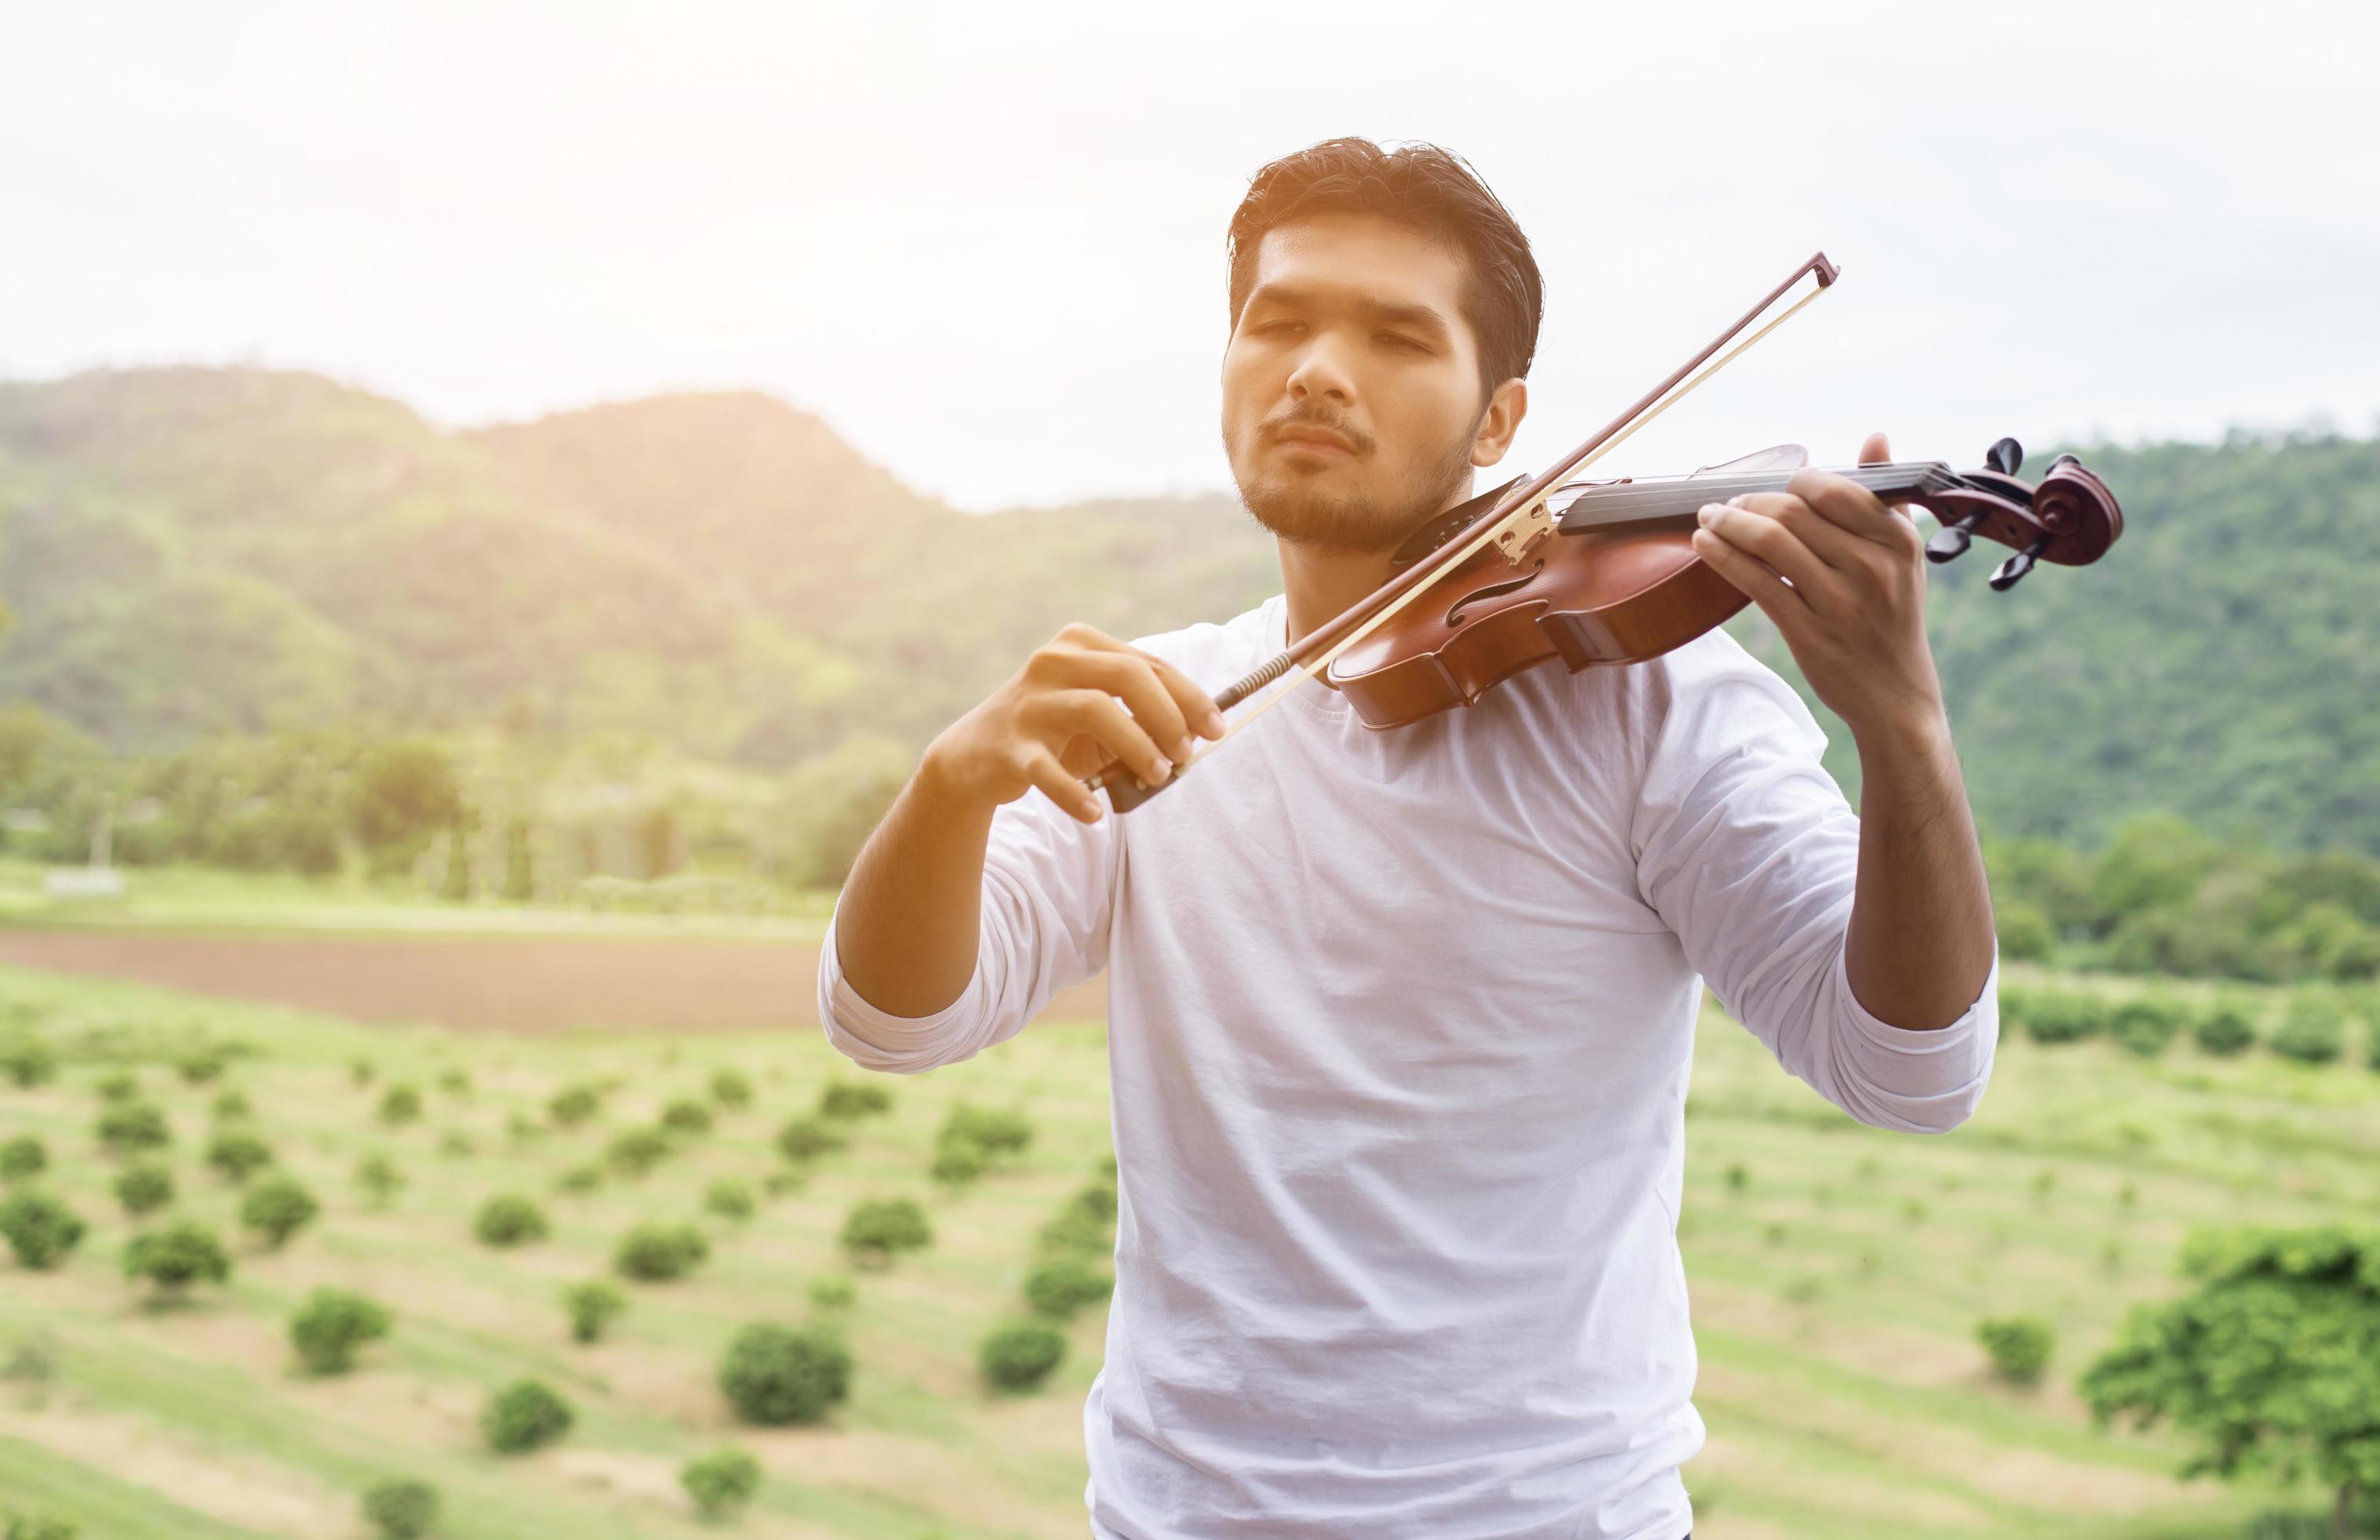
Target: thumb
<point>1874,452</point>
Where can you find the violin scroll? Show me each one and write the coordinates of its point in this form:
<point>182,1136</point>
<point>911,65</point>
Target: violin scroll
<point>2069,517</point>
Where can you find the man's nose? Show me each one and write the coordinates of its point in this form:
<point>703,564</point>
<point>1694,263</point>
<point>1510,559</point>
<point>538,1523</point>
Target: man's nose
<point>1319,372</point>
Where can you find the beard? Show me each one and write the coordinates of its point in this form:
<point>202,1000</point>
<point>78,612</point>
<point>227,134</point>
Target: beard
<point>1293,506</point>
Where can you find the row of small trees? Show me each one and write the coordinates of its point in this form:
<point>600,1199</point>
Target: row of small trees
<point>2313,1027</point>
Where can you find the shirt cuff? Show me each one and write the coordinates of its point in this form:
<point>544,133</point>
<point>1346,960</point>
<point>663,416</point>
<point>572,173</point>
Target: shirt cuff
<point>848,1017</point>
<point>1929,1080</point>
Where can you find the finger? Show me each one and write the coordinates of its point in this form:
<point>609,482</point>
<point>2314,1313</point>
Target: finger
<point>1131,675</point>
<point>1832,544</point>
<point>1041,767</point>
<point>1765,537</point>
<point>1850,506</point>
<point>1197,705</point>
<point>1764,588</point>
<point>1061,712</point>
<point>1874,451</point>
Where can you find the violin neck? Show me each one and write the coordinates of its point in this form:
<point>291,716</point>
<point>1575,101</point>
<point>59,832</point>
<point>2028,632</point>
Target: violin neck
<point>1621,506</point>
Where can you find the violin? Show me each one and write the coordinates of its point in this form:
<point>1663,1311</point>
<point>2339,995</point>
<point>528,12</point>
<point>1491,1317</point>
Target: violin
<point>1603,573</point>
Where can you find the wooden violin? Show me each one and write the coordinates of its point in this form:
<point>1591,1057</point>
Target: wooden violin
<point>1604,573</point>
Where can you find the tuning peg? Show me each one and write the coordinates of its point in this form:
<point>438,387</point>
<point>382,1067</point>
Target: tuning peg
<point>2005,456</point>
<point>2015,567</point>
<point>2064,460</point>
<point>1951,540</point>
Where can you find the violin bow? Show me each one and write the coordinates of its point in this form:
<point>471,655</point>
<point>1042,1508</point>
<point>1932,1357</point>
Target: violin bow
<point>1516,521</point>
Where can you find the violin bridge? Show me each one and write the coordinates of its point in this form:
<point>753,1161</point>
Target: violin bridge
<point>1523,531</point>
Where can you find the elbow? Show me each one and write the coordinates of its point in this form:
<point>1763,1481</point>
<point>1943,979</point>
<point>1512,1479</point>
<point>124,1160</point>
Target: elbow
<point>881,1059</point>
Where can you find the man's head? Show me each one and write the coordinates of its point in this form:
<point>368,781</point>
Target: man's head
<point>1385,299</point>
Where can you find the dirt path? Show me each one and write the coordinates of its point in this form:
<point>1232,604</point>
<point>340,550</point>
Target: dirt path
<point>498,983</point>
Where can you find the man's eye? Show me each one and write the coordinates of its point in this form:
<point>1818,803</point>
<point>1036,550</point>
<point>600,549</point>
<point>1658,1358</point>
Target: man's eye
<point>1403,342</point>
<point>1270,327</point>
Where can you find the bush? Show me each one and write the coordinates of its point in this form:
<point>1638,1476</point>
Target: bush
<point>1020,1356</point>
<point>721,1484</point>
<point>400,1105</point>
<point>835,1291</point>
<point>177,1256</point>
<point>876,1228</point>
<point>523,1416</point>
<point>637,1151</point>
<point>231,1105</point>
<point>2223,1031</point>
<point>202,1064</point>
<point>842,1099</point>
<point>23,1157</point>
<point>238,1156</point>
<point>592,1307</point>
<point>732,1089</point>
<point>728,1199</point>
<point>956,1164</point>
<point>2057,1016</point>
<point>805,1137</point>
<point>574,1104</point>
<point>1074,1231</point>
<point>456,1144</point>
<point>775,1375</point>
<point>2311,1031</point>
<point>991,1130</point>
<point>277,1210</point>
<point>455,1082</point>
<point>581,1178</point>
<point>144,1188</point>
<point>2144,1025</point>
<point>40,1230</point>
<point>38,1526</point>
<point>1063,1285</point>
<point>28,1061</point>
<point>362,1071</point>
<point>509,1219</point>
<point>379,1178</point>
<point>401,1509</point>
<point>128,1126</point>
<point>120,1086</point>
<point>1098,1200</point>
<point>331,1325</point>
<point>2020,1347</point>
<point>2025,933</point>
<point>658,1253</point>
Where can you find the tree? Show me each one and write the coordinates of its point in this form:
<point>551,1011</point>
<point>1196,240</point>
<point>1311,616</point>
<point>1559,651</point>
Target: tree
<point>405,793</point>
<point>2273,1365</point>
<point>592,1307</point>
<point>876,1228</point>
<point>177,1256</point>
<point>721,1482</point>
<point>277,1210</point>
<point>523,1416</point>
<point>40,1230</point>
<point>238,1155</point>
<point>379,1178</point>
<point>129,1126</point>
<point>1021,1355</point>
<point>848,1101</point>
<point>803,1138</point>
<point>331,1325</point>
<point>732,1089</point>
<point>509,1219</point>
<point>401,1509</point>
<point>144,1188</point>
<point>657,1253</point>
<point>1063,1285</point>
<point>400,1105</point>
<point>776,1375</point>
<point>22,1157</point>
<point>2020,1347</point>
<point>637,1151</point>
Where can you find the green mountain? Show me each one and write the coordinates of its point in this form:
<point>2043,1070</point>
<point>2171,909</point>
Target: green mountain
<point>188,550</point>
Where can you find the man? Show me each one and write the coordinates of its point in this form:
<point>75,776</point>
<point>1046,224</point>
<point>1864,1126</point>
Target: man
<point>1401,1020</point>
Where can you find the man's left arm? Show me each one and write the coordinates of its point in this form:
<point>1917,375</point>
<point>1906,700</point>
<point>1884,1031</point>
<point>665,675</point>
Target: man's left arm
<point>1842,574</point>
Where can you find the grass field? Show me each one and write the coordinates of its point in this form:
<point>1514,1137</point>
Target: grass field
<point>1836,1281</point>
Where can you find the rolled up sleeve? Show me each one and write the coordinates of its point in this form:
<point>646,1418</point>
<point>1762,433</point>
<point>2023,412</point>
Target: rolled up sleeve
<point>1749,852</point>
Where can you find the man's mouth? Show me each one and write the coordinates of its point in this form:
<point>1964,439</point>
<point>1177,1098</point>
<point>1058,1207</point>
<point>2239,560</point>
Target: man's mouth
<point>1316,441</point>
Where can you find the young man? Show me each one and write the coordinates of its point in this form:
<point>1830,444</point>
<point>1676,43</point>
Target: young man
<point>1401,1022</point>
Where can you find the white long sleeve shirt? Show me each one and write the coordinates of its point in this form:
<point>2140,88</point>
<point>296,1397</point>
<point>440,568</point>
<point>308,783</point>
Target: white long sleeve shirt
<point>1399,1029</point>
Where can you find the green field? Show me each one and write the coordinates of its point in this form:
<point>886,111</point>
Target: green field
<point>1837,1282</point>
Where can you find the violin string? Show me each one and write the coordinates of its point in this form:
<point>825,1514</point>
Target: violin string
<point>1329,655</point>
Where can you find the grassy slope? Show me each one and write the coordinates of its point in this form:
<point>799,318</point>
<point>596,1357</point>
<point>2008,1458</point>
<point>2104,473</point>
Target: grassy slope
<point>1840,1379</point>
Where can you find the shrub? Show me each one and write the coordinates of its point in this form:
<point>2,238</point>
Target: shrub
<point>509,1219</point>
<point>2144,1025</point>
<point>401,1509</point>
<point>1098,1200</point>
<point>581,1178</point>
<point>876,1228</point>
<point>39,1526</point>
<point>721,1482</point>
<point>400,1105</point>
<point>728,1199</point>
<point>574,1104</point>
<point>40,1229</point>
<point>276,1209</point>
<point>231,1105</point>
<point>1738,1178</point>
<point>2223,1031</point>
<point>455,1082</point>
<point>1020,1356</point>
<point>144,1188</point>
<point>592,1307</point>
<point>23,1157</point>
<point>805,1137</point>
<point>2056,1016</point>
<point>782,1181</point>
<point>775,1375</point>
<point>330,1327</point>
<point>202,1064</point>
<point>523,1416</point>
<point>637,1151</point>
<point>658,1253</point>
<point>1063,1285</point>
<point>732,1089</point>
<point>2025,933</point>
<point>238,1156</point>
<point>1075,1230</point>
<point>120,1086</point>
<point>379,1178</point>
<point>362,1071</point>
<point>685,1115</point>
<point>28,1061</point>
<point>456,1144</point>
<point>177,1256</point>
<point>128,1126</point>
<point>992,1130</point>
<point>2020,1347</point>
<point>2311,1031</point>
<point>835,1291</point>
<point>844,1100</point>
<point>956,1164</point>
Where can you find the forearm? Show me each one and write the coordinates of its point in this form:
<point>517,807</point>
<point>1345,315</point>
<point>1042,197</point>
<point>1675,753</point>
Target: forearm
<point>909,919</point>
<point>1921,942</point>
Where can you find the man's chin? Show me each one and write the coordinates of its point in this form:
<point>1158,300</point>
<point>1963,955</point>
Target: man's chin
<point>1303,515</point>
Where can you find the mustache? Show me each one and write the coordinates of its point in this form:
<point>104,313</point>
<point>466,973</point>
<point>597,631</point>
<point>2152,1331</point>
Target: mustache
<point>1307,418</point>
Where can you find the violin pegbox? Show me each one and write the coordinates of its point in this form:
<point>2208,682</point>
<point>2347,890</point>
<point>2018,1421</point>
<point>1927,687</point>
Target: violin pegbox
<point>2069,517</point>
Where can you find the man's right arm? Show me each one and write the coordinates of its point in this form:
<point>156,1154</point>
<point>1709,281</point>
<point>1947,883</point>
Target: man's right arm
<point>909,923</point>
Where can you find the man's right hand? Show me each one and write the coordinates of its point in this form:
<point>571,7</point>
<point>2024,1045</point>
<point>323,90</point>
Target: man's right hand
<point>1081,700</point>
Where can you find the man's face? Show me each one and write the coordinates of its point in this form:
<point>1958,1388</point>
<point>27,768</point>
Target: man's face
<point>1352,407</point>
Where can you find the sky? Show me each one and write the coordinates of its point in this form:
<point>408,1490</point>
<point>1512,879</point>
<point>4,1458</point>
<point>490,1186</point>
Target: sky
<point>985,242</point>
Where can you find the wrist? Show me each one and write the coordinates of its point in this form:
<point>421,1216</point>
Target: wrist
<point>1918,729</point>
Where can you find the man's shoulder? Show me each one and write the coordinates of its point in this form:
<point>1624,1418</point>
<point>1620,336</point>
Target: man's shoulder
<point>1216,652</point>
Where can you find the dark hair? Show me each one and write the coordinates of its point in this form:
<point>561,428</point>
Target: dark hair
<point>1418,185</point>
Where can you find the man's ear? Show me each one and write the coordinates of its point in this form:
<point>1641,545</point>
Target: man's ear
<point>1505,407</point>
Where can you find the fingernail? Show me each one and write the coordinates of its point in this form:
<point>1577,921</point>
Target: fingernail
<point>1215,724</point>
<point>1162,769</point>
<point>1709,512</point>
<point>1184,749</point>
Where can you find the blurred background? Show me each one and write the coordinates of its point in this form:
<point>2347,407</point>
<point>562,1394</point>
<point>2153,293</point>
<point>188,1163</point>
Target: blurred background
<point>494,498</point>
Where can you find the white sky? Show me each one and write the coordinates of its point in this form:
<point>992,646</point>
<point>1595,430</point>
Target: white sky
<point>984,241</point>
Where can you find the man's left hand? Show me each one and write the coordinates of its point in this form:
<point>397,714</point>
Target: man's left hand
<point>1843,575</point>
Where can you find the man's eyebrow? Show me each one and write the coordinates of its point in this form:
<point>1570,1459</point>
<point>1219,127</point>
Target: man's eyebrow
<point>1421,318</point>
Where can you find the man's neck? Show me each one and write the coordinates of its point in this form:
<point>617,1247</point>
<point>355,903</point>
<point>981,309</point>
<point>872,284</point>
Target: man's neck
<point>1320,586</point>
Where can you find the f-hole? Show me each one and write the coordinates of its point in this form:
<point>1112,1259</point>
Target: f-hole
<point>1454,615</point>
